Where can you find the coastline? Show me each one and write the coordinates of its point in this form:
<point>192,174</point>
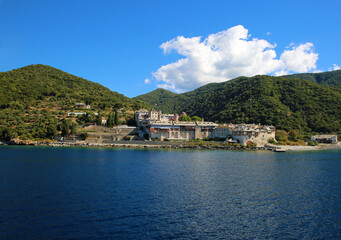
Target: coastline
<point>135,145</point>
<point>172,145</point>
<point>307,148</point>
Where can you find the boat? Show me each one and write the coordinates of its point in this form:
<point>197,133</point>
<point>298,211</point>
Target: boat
<point>279,150</point>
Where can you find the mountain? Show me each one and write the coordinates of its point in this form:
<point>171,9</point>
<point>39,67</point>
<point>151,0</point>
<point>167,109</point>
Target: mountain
<point>159,96</point>
<point>286,103</point>
<point>35,100</point>
<point>331,78</point>
<point>37,83</point>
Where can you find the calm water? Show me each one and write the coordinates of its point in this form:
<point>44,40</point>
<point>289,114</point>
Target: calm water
<point>79,193</point>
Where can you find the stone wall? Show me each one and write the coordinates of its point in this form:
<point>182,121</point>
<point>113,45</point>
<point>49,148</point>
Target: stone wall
<point>108,135</point>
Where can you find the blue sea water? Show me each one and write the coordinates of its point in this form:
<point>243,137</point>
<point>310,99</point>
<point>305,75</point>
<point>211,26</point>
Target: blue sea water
<point>87,193</point>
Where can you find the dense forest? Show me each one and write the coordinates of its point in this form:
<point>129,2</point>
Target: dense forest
<point>331,78</point>
<point>35,100</point>
<point>286,103</point>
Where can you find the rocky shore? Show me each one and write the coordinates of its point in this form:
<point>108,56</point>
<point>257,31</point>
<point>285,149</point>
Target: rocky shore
<point>134,144</point>
<point>168,145</point>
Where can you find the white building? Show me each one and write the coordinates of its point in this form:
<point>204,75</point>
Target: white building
<point>257,134</point>
<point>76,114</point>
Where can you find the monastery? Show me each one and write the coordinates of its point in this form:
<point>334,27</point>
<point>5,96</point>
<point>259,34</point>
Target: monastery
<point>167,126</point>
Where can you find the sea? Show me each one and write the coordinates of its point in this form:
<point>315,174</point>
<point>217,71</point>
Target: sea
<point>106,193</point>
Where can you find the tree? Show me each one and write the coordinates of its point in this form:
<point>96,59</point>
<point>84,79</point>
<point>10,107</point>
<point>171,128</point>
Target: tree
<point>84,136</point>
<point>196,118</point>
<point>5,133</point>
<point>293,135</point>
<point>99,119</point>
<point>281,135</point>
<point>118,105</point>
<point>65,127</point>
<point>74,128</point>
<point>116,120</point>
<point>185,118</point>
<point>51,129</point>
<point>110,120</point>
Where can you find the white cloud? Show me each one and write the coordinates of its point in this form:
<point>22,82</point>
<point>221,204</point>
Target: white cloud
<point>226,55</point>
<point>299,59</point>
<point>334,67</point>
<point>147,81</point>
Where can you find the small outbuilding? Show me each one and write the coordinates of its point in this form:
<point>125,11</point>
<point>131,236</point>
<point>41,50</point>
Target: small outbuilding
<point>324,138</point>
<point>82,105</point>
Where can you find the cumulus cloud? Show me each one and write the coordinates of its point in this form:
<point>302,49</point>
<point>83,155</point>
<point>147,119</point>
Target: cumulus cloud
<point>299,58</point>
<point>334,67</point>
<point>147,81</point>
<point>226,55</point>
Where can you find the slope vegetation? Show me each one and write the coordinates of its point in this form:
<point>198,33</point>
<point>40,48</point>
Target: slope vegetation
<point>36,83</point>
<point>287,103</point>
<point>36,99</point>
<point>332,78</point>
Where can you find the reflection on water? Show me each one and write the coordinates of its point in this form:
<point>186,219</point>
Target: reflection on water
<point>52,193</point>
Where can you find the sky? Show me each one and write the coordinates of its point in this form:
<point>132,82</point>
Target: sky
<point>134,47</point>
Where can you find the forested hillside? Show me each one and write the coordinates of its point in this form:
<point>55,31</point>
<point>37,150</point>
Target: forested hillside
<point>286,103</point>
<point>331,78</point>
<point>35,100</point>
<point>36,83</point>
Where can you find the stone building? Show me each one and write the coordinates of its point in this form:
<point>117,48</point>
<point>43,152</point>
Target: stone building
<point>143,117</point>
<point>257,134</point>
<point>324,138</point>
<point>82,105</point>
<point>180,130</point>
<point>223,131</point>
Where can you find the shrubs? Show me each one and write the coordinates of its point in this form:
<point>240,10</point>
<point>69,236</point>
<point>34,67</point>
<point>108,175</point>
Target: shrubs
<point>313,143</point>
<point>292,138</point>
<point>84,136</point>
<point>250,144</point>
<point>293,135</point>
<point>281,135</point>
<point>146,136</point>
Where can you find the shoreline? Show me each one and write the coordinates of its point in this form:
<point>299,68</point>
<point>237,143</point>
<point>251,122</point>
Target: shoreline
<point>173,145</point>
<point>307,148</point>
<point>136,145</point>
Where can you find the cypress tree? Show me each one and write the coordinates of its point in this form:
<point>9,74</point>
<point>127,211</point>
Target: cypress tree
<point>73,128</point>
<point>99,119</point>
<point>110,121</point>
<point>117,122</point>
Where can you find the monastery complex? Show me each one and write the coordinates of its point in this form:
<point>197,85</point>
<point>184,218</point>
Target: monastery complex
<point>161,126</point>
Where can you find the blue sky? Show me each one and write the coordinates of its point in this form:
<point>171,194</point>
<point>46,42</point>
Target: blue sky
<point>117,43</point>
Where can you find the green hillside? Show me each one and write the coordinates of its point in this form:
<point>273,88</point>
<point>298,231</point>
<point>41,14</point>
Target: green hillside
<point>159,96</point>
<point>284,102</point>
<point>331,78</point>
<point>36,97</point>
<point>36,83</point>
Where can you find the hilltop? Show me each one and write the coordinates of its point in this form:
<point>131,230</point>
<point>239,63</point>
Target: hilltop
<point>287,103</point>
<point>331,78</point>
<point>35,100</point>
<point>34,84</point>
